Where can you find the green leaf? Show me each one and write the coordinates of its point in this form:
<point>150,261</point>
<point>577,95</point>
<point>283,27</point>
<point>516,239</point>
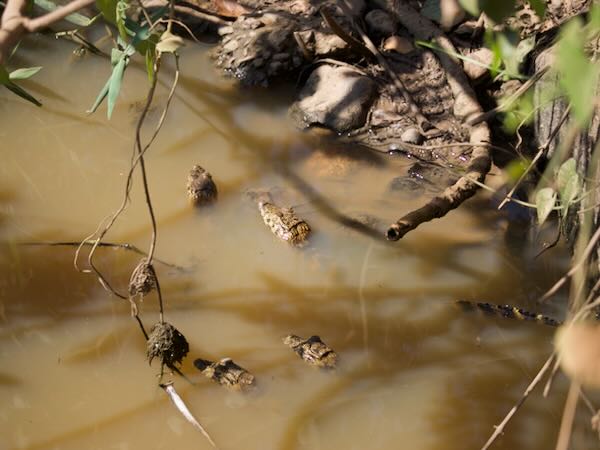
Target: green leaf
<point>524,47</point>
<point>115,84</point>
<point>150,64</point>
<point>470,6</point>
<point>568,183</point>
<point>108,8</point>
<point>4,76</point>
<point>579,77</point>
<point>513,51</point>
<point>169,43</point>
<point>75,18</point>
<point>520,113</point>
<point>544,202</point>
<point>121,17</point>
<point>22,93</point>
<point>6,81</point>
<point>100,98</point>
<point>515,169</point>
<point>23,74</point>
<point>115,56</point>
<point>539,6</point>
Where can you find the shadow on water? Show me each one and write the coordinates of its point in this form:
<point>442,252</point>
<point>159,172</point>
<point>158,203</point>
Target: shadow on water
<point>395,324</point>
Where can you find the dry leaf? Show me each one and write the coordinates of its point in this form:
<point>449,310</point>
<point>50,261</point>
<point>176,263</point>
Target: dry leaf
<point>229,8</point>
<point>578,347</point>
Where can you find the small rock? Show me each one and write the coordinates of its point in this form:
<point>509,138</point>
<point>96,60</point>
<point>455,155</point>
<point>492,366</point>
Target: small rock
<point>225,30</point>
<point>452,14</point>
<point>380,23</point>
<point>406,186</point>
<point>412,136</point>
<point>476,71</point>
<point>337,98</point>
<point>398,44</point>
<point>231,46</point>
<point>317,44</point>
<point>302,7</point>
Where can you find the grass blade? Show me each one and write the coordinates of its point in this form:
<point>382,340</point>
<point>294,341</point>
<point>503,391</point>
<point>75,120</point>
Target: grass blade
<point>114,85</point>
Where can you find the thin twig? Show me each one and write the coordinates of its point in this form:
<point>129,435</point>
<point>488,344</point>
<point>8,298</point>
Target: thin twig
<point>588,402</point>
<point>14,23</point>
<point>500,428</point>
<point>586,254</point>
<point>124,246</point>
<point>548,384</point>
<point>542,150</point>
<point>505,105</point>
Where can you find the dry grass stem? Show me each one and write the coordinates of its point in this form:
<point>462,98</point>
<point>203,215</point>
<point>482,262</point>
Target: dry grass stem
<point>566,424</point>
<point>500,428</point>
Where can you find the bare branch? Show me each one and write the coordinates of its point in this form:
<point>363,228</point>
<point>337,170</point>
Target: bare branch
<point>14,24</point>
<point>466,107</point>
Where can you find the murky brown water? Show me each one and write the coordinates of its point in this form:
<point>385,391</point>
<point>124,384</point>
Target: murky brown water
<point>415,372</point>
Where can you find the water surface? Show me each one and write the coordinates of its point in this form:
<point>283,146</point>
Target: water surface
<point>414,373</point>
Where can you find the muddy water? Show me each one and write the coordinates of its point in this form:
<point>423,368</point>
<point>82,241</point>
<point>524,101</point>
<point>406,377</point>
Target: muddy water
<point>414,372</point>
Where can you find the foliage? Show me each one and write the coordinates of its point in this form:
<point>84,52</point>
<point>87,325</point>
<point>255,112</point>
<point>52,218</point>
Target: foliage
<point>76,18</point>
<point>133,37</point>
<point>578,75</point>
<point>7,80</point>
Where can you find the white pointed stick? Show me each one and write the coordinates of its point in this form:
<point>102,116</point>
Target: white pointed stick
<point>183,409</point>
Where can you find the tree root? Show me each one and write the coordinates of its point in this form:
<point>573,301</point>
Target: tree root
<point>466,107</point>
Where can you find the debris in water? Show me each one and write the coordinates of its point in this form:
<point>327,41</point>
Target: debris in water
<point>166,343</point>
<point>143,279</point>
<point>185,412</point>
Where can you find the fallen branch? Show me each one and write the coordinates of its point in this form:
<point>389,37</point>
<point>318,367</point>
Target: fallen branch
<point>14,23</point>
<point>465,107</point>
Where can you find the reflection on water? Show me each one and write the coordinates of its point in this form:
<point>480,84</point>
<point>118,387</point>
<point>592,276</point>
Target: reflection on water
<point>414,372</point>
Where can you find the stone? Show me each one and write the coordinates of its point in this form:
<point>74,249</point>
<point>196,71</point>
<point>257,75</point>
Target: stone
<point>398,44</point>
<point>337,98</point>
<point>380,23</point>
<point>452,14</point>
<point>476,71</point>
<point>317,44</point>
<point>412,136</point>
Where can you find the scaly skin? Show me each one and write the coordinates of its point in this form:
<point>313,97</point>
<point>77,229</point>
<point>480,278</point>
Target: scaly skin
<point>284,223</point>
